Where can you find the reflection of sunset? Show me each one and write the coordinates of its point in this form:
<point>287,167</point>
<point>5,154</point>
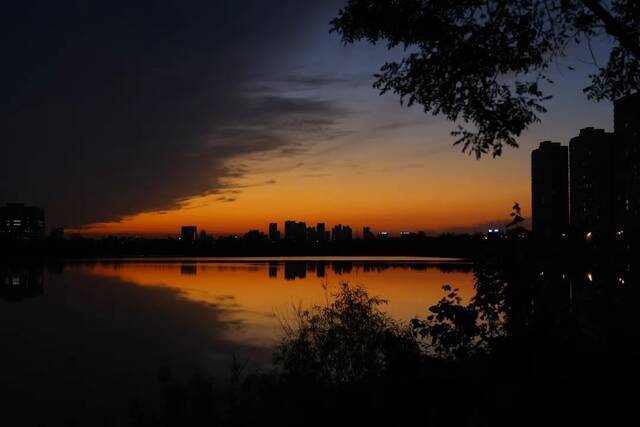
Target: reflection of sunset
<point>257,301</point>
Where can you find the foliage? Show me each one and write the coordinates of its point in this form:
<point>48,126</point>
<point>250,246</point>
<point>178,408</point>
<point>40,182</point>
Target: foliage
<point>483,63</point>
<point>347,340</point>
<point>458,331</point>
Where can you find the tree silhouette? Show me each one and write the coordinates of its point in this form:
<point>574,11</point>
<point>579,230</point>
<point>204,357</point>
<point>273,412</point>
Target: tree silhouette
<point>516,215</point>
<point>483,63</point>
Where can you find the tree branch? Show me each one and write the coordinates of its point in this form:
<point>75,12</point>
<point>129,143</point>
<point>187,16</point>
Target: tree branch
<point>614,27</point>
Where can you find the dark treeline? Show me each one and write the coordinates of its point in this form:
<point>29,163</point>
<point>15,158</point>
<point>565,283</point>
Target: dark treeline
<point>446,245</point>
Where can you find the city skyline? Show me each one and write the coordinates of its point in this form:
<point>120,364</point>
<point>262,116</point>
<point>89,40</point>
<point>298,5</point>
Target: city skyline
<point>590,187</point>
<point>163,143</point>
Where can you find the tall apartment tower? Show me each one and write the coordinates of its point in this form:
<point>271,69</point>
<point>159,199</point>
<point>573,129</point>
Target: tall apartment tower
<point>627,163</point>
<point>274,233</point>
<point>188,233</point>
<point>591,190</point>
<point>550,190</point>
<point>20,222</point>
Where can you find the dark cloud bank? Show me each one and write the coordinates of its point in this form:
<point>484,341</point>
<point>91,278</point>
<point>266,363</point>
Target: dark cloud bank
<point>113,108</point>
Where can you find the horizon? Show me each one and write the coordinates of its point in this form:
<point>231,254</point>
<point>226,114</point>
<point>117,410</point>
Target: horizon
<point>131,140</point>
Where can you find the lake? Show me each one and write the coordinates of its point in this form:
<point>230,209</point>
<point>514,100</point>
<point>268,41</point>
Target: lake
<point>93,335</point>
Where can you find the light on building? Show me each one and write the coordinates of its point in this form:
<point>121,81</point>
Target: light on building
<point>589,235</point>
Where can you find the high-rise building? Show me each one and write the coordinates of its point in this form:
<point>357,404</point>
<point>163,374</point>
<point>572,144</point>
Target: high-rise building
<point>627,163</point>
<point>367,234</point>
<point>188,233</point>
<point>591,189</point>
<point>550,190</point>
<point>342,232</point>
<point>321,231</point>
<point>295,231</point>
<point>274,233</point>
<point>20,222</point>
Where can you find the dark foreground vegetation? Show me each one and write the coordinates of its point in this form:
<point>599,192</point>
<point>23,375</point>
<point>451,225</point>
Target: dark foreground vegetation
<point>547,343</point>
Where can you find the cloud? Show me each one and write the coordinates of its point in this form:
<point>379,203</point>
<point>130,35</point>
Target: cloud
<point>117,108</point>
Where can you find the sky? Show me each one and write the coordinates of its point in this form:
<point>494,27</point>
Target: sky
<point>138,117</point>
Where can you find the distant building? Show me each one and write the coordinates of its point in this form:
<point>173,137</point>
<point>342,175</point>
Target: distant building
<point>592,195</point>
<point>274,233</point>
<point>295,231</point>
<point>188,233</point>
<point>550,190</point>
<point>407,234</point>
<point>341,233</point>
<point>321,231</point>
<point>367,234</point>
<point>494,233</point>
<point>627,162</point>
<point>383,235</point>
<point>255,236</point>
<point>20,222</point>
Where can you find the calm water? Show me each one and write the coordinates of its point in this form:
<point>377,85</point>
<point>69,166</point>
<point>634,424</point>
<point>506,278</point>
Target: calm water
<point>94,335</point>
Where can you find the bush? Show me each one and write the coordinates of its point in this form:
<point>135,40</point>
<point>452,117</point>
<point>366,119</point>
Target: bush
<point>349,339</point>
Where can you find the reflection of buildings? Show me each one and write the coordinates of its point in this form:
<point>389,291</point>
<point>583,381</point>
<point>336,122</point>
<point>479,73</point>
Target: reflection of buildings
<point>320,269</point>
<point>20,281</point>
<point>188,270</point>
<point>295,270</point>
<point>188,233</point>
<point>550,189</point>
<point>591,180</point>
<point>342,267</point>
<point>273,270</point>
<point>20,222</point>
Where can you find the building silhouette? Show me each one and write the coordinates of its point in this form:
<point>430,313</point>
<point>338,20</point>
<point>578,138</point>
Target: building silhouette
<point>20,222</point>
<point>592,196</point>
<point>274,233</point>
<point>295,231</point>
<point>321,232</point>
<point>341,233</point>
<point>627,163</point>
<point>367,234</point>
<point>188,233</point>
<point>254,236</point>
<point>312,235</point>
<point>550,190</point>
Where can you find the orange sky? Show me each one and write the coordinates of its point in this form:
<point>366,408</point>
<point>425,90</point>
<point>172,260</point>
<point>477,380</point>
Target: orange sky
<point>387,187</point>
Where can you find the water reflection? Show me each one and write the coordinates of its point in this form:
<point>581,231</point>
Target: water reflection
<point>104,329</point>
<point>266,290</point>
<point>78,353</point>
<point>19,281</point>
